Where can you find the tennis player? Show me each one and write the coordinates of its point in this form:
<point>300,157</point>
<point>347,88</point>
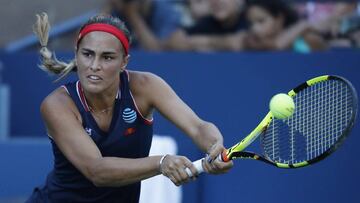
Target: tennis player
<point>101,126</point>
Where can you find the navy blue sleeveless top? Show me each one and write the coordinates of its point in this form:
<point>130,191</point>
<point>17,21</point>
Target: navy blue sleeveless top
<point>129,136</point>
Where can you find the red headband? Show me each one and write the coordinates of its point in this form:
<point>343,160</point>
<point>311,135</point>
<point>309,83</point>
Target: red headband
<point>105,28</point>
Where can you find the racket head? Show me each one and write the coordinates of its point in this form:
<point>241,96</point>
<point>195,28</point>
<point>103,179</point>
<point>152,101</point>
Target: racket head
<point>325,112</point>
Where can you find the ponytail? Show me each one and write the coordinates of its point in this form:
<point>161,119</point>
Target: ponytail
<point>49,62</point>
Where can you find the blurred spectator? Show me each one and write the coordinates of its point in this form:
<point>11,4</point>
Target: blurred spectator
<point>355,38</point>
<point>274,25</point>
<point>346,33</point>
<point>193,10</point>
<point>337,21</point>
<point>151,21</point>
<point>351,29</point>
<point>319,11</point>
<point>225,17</point>
<point>220,30</point>
<point>221,24</point>
<point>198,8</point>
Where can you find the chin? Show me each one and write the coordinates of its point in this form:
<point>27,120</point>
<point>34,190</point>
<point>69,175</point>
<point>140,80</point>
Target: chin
<point>93,88</point>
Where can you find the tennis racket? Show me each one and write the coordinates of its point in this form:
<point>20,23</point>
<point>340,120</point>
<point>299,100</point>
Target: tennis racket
<point>325,112</point>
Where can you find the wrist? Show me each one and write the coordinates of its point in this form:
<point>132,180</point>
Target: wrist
<point>161,163</point>
<point>213,146</point>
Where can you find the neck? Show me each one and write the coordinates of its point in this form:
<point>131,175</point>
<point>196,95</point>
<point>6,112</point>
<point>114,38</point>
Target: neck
<point>102,102</point>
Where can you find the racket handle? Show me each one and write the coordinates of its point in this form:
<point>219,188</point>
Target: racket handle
<point>198,165</point>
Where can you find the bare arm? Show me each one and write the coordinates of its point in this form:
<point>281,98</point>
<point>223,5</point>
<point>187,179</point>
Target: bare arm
<point>145,36</point>
<point>286,38</point>
<point>181,41</point>
<point>304,29</point>
<point>164,99</point>
<point>204,134</point>
<point>63,124</point>
<point>131,11</point>
<point>315,41</point>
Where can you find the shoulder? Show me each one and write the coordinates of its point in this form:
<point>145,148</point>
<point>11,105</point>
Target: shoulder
<point>58,101</point>
<point>140,80</point>
<point>145,88</point>
<point>146,85</point>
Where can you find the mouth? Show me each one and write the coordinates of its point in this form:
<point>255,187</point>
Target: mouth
<point>94,78</point>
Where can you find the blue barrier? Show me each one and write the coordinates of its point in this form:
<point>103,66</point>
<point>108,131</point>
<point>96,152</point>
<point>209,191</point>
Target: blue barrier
<point>231,90</point>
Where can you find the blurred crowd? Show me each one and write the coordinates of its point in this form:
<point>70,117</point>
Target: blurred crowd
<point>235,25</point>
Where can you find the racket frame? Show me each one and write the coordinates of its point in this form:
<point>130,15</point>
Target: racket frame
<point>236,151</point>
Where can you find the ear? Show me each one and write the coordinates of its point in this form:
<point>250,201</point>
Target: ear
<point>125,62</point>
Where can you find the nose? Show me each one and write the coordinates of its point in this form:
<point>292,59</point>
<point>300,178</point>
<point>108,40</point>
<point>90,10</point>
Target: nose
<point>95,65</point>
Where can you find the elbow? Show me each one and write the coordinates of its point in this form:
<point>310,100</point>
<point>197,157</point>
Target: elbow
<point>95,175</point>
<point>103,180</point>
<point>99,181</point>
<point>98,174</point>
<point>102,173</point>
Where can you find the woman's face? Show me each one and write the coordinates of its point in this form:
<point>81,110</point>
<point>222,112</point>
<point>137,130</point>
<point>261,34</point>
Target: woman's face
<point>222,10</point>
<point>262,23</point>
<point>100,59</point>
<point>199,8</point>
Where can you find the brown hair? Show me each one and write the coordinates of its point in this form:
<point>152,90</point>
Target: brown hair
<point>50,63</point>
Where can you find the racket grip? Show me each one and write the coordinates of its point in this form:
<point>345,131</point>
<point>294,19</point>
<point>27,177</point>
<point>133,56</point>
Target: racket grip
<point>198,165</point>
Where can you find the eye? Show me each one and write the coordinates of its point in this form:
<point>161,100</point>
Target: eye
<point>86,54</point>
<point>108,58</point>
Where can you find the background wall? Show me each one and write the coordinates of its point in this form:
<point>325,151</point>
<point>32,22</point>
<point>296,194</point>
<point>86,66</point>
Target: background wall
<point>230,89</point>
<point>18,16</point>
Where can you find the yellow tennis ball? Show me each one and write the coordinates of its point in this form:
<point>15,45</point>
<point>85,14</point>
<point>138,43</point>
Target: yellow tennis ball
<point>282,106</point>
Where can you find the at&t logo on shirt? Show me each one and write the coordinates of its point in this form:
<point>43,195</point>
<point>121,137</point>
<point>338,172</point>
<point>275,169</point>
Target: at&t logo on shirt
<point>129,115</point>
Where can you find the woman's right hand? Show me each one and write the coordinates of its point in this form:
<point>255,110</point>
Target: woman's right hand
<point>174,167</point>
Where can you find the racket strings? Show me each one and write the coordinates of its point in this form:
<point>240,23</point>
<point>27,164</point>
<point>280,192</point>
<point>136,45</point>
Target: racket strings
<point>322,113</point>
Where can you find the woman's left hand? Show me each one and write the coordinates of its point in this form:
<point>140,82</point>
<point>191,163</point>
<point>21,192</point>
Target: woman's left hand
<point>212,164</point>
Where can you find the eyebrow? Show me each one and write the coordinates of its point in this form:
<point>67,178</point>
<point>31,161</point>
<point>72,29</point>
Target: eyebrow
<point>103,53</point>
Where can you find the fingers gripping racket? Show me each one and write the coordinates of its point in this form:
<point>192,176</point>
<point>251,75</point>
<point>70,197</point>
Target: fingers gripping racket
<point>325,111</point>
